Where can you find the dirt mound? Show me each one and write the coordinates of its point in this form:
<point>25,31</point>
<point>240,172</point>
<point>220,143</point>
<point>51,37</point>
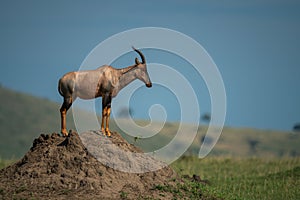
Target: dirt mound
<point>62,168</point>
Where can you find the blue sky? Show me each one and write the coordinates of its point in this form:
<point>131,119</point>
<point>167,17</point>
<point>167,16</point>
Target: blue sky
<point>255,45</point>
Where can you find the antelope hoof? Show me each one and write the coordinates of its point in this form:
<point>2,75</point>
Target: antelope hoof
<point>103,131</point>
<point>108,134</point>
<point>64,132</point>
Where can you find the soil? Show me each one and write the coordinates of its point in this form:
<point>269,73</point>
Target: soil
<point>59,167</point>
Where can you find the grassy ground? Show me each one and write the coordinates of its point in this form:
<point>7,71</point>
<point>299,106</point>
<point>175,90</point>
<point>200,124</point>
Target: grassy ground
<point>249,178</point>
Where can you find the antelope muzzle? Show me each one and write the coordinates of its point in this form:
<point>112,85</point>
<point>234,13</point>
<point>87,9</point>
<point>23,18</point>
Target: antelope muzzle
<point>149,85</point>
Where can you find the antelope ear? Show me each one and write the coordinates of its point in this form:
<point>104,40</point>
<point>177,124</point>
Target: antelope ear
<point>137,61</point>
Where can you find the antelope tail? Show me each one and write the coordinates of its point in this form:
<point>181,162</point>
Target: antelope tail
<point>59,88</point>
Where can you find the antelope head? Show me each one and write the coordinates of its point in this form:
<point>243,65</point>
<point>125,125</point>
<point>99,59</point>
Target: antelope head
<point>142,73</point>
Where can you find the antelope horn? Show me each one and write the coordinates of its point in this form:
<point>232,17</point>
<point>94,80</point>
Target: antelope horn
<point>140,53</point>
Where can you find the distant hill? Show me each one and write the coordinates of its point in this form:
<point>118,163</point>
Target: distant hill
<point>233,142</point>
<point>24,117</point>
<point>243,142</point>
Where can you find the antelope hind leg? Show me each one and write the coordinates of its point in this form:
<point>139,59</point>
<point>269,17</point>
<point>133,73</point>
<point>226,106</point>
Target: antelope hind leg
<point>63,111</point>
<point>63,130</point>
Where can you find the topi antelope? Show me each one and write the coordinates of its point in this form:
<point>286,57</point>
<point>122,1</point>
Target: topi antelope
<point>104,82</point>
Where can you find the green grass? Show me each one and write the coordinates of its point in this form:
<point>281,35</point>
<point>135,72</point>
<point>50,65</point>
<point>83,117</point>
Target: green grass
<point>248,178</point>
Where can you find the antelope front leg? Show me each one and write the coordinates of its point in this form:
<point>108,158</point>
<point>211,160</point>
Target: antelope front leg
<point>106,104</point>
<point>107,131</point>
